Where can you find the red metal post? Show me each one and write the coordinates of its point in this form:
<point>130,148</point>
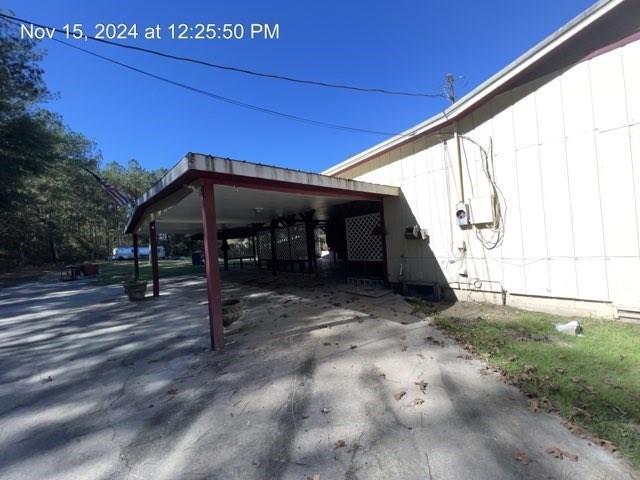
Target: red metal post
<point>153,256</point>
<point>136,263</point>
<point>211,262</point>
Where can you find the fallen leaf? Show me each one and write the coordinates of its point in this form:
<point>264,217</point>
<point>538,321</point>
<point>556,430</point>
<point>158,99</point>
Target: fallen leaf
<point>417,401</point>
<point>570,456</point>
<point>353,347</point>
<point>422,385</point>
<point>512,358</point>
<point>533,405</point>
<point>340,444</point>
<point>606,444</point>
<point>522,457</point>
<point>399,395</point>
<point>326,344</point>
<point>580,412</point>
<point>529,368</point>
<point>555,452</point>
<point>575,429</point>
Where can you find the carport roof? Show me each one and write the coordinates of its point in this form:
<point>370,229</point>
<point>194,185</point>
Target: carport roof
<point>245,193</point>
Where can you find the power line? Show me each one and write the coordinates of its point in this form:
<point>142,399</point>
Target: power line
<point>245,71</point>
<point>227,99</point>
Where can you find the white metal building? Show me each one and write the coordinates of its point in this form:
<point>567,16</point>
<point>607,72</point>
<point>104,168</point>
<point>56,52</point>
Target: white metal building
<point>544,160</point>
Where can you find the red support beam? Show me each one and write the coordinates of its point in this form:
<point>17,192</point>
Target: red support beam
<point>153,257</point>
<point>136,263</point>
<point>216,329</point>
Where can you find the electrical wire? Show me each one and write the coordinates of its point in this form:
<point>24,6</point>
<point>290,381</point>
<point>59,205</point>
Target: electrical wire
<point>255,73</point>
<point>499,205</point>
<point>231,101</point>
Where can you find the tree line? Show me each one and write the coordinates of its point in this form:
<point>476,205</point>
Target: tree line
<point>52,209</point>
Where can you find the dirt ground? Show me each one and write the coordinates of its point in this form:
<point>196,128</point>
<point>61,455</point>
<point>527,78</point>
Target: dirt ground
<point>314,380</point>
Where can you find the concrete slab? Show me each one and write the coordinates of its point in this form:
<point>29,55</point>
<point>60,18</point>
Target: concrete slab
<point>311,383</point>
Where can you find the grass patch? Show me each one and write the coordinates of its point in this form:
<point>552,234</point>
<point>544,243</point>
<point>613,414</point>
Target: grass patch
<point>592,380</point>
<point>118,272</point>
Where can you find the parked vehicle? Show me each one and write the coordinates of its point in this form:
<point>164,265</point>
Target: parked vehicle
<point>122,253</point>
<point>126,253</point>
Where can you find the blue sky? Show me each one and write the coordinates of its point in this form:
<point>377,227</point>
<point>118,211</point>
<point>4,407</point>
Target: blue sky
<point>402,45</point>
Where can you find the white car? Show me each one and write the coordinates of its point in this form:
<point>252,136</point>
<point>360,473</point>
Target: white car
<point>122,253</point>
<point>126,253</point>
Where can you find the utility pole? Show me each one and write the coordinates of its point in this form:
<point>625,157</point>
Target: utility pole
<point>449,88</point>
<point>450,92</point>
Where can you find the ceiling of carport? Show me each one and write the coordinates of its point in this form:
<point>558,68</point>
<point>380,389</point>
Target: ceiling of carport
<point>239,207</point>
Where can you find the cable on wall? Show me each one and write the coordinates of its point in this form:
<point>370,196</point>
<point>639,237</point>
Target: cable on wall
<point>493,236</point>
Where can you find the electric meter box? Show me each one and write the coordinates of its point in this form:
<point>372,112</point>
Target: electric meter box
<point>462,214</point>
<point>481,210</point>
<point>416,233</point>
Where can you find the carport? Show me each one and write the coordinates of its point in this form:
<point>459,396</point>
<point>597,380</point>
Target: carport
<point>223,198</point>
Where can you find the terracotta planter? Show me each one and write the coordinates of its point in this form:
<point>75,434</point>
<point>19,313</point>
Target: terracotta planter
<point>231,311</point>
<point>135,290</point>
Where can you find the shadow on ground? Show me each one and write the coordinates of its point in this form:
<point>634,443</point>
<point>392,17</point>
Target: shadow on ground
<point>311,382</point>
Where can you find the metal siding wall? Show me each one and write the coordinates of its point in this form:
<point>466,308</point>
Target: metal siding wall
<point>631,65</point>
<point>587,217</point>
<point>567,159</point>
<point>558,219</point>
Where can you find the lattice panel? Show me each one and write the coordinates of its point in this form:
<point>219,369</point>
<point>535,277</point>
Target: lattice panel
<point>264,245</point>
<point>362,244</point>
<point>298,236</point>
<point>282,244</point>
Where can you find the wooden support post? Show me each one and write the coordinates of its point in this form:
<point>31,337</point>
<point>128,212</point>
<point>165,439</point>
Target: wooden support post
<point>310,236</point>
<point>210,230</point>
<point>136,263</point>
<point>253,246</point>
<point>225,254</point>
<point>153,258</point>
<point>274,256</point>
